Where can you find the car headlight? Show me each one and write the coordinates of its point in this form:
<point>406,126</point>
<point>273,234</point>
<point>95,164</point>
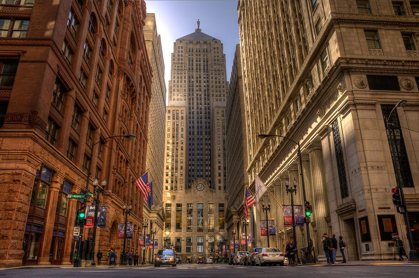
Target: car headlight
<point>170,259</point>
<point>157,259</point>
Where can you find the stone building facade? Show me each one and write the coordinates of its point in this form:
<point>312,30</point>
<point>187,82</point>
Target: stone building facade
<point>326,74</point>
<point>156,129</point>
<point>236,149</point>
<point>194,193</point>
<point>72,74</point>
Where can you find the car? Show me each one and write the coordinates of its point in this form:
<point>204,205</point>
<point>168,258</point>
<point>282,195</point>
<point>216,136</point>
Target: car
<point>165,257</point>
<point>200,261</point>
<point>244,260</point>
<point>270,255</point>
<point>252,255</point>
<point>209,260</point>
<point>237,257</point>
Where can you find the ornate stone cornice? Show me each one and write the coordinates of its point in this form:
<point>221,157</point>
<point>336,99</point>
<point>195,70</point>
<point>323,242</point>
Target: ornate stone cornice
<point>30,119</point>
<point>392,20</point>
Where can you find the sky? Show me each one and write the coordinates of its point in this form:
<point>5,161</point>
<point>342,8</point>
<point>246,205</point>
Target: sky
<point>176,19</point>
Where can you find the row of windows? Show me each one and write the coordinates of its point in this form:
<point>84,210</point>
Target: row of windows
<point>399,8</point>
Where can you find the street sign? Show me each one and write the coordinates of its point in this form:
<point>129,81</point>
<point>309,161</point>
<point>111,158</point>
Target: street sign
<point>76,196</point>
<point>76,231</point>
<point>90,194</point>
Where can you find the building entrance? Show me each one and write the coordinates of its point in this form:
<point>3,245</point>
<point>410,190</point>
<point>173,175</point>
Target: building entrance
<point>56,252</point>
<point>351,250</point>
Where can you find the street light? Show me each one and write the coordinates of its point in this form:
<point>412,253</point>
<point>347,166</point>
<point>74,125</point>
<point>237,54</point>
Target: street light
<point>266,209</point>
<point>309,256</point>
<point>145,226</point>
<point>125,212</point>
<point>97,190</point>
<point>292,190</point>
<point>389,123</point>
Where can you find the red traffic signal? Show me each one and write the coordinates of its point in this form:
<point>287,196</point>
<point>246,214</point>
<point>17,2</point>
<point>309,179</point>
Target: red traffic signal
<point>397,199</point>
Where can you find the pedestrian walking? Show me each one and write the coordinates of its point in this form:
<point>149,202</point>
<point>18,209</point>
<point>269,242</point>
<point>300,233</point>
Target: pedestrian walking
<point>99,257</point>
<point>327,247</point>
<point>400,248</point>
<point>130,257</point>
<point>136,257</point>
<point>290,251</point>
<point>342,246</point>
<point>335,248</point>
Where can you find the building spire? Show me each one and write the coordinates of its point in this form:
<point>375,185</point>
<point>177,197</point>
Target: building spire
<point>197,26</point>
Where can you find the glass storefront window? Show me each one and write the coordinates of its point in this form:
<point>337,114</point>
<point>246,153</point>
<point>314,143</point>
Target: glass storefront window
<point>33,247</point>
<point>41,201</point>
<point>64,205</point>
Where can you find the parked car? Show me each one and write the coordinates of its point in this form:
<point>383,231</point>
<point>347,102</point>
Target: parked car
<point>269,256</point>
<point>244,260</point>
<point>200,261</point>
<point>165,257</point>
<point>209,260</point>
<point>252,255</point>
<point>237,257</point>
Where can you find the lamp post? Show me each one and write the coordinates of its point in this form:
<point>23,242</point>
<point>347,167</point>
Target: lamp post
<point>128,136</point>
<point>266,209</point>
<point>309,256</point>
<point>125,212</point>
<point>292,190</point>
<point>153,232</point>
<point>145,226</point>
<point>97,190</point>
<point>245,224</point>
<point>413,253</point>
<point>234,241</point>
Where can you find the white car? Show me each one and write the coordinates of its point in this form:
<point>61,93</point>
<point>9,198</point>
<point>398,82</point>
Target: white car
<point>209,260</point>
<point>270,255</point>
<point>238,256</point>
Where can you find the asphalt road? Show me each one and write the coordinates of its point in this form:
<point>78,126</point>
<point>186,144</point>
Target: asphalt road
<point>219,271</point>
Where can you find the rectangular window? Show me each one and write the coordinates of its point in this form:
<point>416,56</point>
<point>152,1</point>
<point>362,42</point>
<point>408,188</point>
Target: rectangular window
<point>178,244</point>
<point>8,72</point>
<point>71,150</point>
<point>73,23</point>
<point>318,26</point>
<point>67,51</point>
<point>397,147</point>
<point>4,27</point>
<point>340,161</point>
<point>363,6</point>
<point>210,217</point>
<point>178,217</point>
<point>86,162</point>
<point>189,245</point>
<point>398,8</point>
<point>211,244</point>
<point>41,201</point>
<point>324,59</point>
<point>200,244</point>
<point>89,135</point>
<point>58,95</point>
<point>373,40</point>
<point>51,131</point>
<point>87,51</point>
<point>76,117</point>
<point>383,82</point>
<point>3,110</point>
<point>64,205</point>
<point>100,150</point>
<point>221,216</point>
<point>168,222</point>
<point>83,78</point>
<point>415,7</point>
<point>409,42</point>
<point>189,217</point>
<point>20,28</point>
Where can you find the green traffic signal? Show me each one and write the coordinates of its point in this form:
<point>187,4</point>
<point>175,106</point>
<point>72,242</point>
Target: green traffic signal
<point>81,215</point>
<point>308,213</point>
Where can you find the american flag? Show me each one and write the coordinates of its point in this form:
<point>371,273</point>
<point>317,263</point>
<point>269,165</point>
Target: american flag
<point>248,202</point>
<point>141,183</point>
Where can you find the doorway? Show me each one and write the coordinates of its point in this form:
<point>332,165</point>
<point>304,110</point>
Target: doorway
<point>56,252</point>
<point>349,237</point>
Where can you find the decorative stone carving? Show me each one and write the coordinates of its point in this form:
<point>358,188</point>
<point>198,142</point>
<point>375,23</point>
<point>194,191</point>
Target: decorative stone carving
<point>406,83</point>
<point>360,82</point>
<point>376,52</point>
<point>320,112</point>
<point>341,88</point>
<point>30,119</point>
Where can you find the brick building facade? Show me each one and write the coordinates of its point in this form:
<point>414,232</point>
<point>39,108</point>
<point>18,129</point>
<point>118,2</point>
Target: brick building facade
<point>72,74</point>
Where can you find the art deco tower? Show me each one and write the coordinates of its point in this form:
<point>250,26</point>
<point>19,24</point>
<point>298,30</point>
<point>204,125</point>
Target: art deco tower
<point>195,152</point>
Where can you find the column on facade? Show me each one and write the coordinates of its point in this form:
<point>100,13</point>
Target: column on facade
<point>293,176</point>
<point>279,214</point>
<point>50,215</point>
<point>72,206</point>
<point>320,200</point>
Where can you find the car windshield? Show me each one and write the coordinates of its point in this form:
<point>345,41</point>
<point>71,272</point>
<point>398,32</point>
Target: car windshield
<point>271,250</point>
<point>165,252</point>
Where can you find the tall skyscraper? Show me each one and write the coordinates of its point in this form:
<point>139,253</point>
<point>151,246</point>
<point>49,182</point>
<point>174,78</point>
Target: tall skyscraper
<point>325,75</point>
<point>195,188</point>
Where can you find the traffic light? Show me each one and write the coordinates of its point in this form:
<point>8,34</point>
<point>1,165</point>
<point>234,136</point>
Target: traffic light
<point>81,213</point>
<point>308,209</point>
<point>397,198</point>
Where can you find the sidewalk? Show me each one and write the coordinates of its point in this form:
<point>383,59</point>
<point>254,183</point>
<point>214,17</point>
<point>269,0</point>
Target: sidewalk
<point>71,266</point>
<point>367,263</point>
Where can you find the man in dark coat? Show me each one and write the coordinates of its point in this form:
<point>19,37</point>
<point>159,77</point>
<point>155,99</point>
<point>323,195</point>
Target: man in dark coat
<point>335,248</point>
<point>327,247</point>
